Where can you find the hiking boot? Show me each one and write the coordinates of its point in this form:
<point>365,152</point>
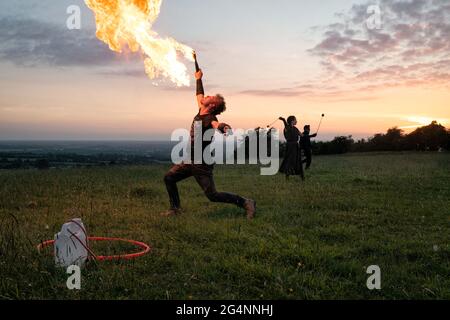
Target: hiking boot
<point>250,208</point>
<point>171,212</point>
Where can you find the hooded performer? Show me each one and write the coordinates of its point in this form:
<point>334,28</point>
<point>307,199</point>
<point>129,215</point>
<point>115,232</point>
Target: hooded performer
<point>292,162</point>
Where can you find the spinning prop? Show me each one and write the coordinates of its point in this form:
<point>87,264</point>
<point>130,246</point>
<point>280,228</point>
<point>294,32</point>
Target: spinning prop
<point>71,245</point>
<point>127,256</point>
<point>270,125</point>
<point>320,122</point>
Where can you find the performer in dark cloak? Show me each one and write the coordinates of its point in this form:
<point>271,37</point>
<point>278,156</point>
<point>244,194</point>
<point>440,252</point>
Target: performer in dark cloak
<point>305,143</point>
<point>292,162</point>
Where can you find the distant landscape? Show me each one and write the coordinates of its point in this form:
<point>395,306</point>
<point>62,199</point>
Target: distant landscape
<point>71,154</point>
<point>75,154</point>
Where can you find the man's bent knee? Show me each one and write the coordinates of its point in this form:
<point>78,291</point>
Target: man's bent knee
<point>168,178</point>
<point>212,196</point>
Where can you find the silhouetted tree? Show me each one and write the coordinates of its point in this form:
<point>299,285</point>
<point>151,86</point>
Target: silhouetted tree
<point>430,137</point>
<point>393,140</point>
<point>338,145</point>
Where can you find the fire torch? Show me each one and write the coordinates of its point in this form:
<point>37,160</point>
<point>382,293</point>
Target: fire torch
<point>197,68</point>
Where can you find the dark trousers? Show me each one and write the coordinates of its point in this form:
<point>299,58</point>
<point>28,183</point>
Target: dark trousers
<point>203,174</point>
<point>308,157</point>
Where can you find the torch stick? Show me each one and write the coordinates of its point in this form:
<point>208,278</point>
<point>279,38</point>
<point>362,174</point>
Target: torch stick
<point>269,125</point>
<point>320,123</point>
<point>197,68</point>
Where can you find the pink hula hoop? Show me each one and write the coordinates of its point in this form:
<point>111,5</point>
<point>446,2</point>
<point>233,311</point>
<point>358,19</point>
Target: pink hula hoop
<point>145,248</point>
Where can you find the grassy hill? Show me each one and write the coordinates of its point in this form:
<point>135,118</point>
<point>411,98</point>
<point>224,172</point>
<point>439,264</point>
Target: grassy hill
<point>310,240</point>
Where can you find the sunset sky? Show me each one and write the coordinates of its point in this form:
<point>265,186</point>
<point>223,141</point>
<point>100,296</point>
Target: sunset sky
<point>268,58</point>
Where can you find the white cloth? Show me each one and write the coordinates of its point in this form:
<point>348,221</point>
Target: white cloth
<point>71,244</point>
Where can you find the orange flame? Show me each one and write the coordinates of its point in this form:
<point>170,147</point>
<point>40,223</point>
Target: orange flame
<point>121,22</point>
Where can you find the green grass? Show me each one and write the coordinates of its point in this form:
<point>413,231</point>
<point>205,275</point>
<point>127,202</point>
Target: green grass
<point>311,240</point>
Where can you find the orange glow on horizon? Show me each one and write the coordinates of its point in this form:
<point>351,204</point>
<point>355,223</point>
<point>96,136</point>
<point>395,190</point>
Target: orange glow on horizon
<point>422,121</point>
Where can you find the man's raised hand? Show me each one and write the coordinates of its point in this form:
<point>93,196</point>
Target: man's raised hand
<point>199,75</point>
<point>227,129</point>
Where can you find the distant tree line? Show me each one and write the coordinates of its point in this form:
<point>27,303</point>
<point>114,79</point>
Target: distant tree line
<point>432,137</point>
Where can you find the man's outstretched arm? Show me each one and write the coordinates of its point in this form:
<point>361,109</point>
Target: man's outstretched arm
<point>200,90</point>
<point>284,121</point>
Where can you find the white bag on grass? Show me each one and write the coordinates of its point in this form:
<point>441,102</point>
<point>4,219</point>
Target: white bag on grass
<point>71,244</point>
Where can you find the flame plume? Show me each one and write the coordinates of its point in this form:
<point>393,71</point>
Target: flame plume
<point>130,22</point>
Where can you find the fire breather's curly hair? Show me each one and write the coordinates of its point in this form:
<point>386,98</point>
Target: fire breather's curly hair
<point>221,107</point>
